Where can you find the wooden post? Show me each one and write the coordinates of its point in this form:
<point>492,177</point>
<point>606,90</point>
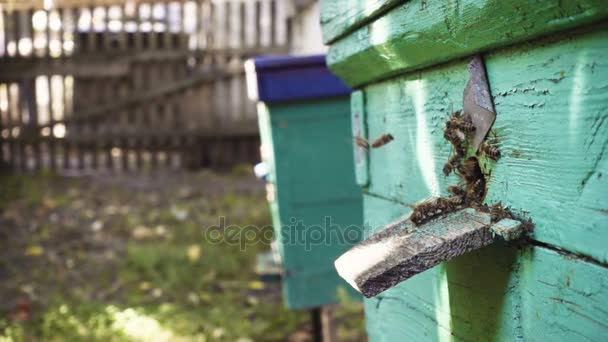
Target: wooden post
<point>258,23</point>
<point>92,36</point>
<point>317,324</point>
<point>273,23</point>
<point>52,120</point>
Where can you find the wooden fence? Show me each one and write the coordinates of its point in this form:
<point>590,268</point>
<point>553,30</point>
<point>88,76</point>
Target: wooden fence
<point>134,85</point>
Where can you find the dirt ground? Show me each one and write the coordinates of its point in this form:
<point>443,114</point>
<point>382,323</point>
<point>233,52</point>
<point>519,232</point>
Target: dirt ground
<point>124,258</point>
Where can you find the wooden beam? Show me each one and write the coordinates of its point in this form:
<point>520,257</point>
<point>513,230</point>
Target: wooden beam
<point>421,33</point>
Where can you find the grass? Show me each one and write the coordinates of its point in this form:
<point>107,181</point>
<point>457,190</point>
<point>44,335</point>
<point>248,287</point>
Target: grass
<point>105,262</point>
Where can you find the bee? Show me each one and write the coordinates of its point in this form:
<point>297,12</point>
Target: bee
<point>491,151</point>
<point>476,191</point>
<point>456,190</point>
<point>449,204</point>
<point>470,170</point>
<point>498,212</point>
<point>382,140</point>
<point>361,142</point>
<point>456,121</point>
<point>466,126</point>
<point>452,164</point>
<point>452,136</point>
<point>424,210</point>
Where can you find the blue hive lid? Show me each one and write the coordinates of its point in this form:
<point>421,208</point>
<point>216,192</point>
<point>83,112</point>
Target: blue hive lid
<point>291,78</point>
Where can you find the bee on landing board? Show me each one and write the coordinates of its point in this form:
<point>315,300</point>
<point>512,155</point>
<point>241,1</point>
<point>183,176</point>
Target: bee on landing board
<point>429,209</point>
<point>423,211</point>
<point>382,140</point>
<point>498,212</point>
<point>450,204</point>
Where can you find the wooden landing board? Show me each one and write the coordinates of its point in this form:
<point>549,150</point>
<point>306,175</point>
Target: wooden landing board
<point>402,250</point>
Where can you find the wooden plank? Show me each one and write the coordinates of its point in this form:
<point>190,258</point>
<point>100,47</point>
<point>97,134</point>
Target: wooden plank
<point>168,33</point>
<point>339,17</point>
<point>257,22</point>
<point>91,34</point>
<point>243,25</point>
<point>18,117</point>
<point>52,147</point>
<point>273,23</point>
<point>401,250</point>
<point>420,33</point>
<point>551,129</point>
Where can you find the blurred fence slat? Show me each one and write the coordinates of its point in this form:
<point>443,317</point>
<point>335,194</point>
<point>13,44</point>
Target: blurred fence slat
<point>121,85</point>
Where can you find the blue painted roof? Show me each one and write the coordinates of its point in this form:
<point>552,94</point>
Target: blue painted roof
<point>292,78</point>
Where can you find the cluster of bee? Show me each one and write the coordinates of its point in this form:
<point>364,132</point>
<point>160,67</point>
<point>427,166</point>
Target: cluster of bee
<point>471,191</point>
<point>455,131</point>
<point>378,142</point>
<point>431,208</point>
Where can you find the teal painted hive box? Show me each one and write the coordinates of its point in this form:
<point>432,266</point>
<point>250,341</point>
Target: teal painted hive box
<point>304,121</point>
<point>547,70</point>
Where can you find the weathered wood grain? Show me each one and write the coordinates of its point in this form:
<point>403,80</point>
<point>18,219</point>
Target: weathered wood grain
<point>420,33</point>
<point>338,17</point>
<point>551,126</point>
<point>402,250</point>
<point>499,293</point>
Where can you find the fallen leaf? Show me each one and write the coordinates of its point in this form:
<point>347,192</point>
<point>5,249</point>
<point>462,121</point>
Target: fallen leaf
<point>142,233</point>
<point>256,285</point>
<point>179,214</point>
<point>97,226</point>
<point>194,253</point>
<point>34,250</point>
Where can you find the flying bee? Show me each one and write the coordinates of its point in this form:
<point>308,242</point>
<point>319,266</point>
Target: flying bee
<point>361,142</point>
<point>498,212</point>
<point>456,190</point>
<point>452,164</point>
<point>491,151</point>
<point>382,140</point>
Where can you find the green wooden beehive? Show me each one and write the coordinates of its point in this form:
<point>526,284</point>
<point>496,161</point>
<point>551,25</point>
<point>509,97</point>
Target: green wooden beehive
<point>547,70</point>
<point>304,120</point>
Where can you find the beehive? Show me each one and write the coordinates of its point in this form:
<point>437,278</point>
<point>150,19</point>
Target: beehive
<point>547,70</point>
<point>304,119</point>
